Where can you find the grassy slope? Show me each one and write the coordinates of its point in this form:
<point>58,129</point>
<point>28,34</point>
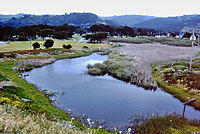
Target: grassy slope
<point>40,103</point>
<point>14,120</point>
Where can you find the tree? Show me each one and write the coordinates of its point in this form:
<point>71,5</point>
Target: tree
<point>36,45</point>
<point>22,38</point>
<point>46,32</point>
<point>80,31</point>
<point>67,47</point>
<point>62,28</point>
<point>173,34</point>
<point>48,43</point>
<point>60,35</point>
<point>1,33</point>
<point>29,31</point>
<point>98,37</point>
<point>187,35</point>
<point>8,32</point>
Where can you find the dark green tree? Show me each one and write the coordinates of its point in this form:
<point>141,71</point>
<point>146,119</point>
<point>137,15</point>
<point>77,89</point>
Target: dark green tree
<point>98,37</point>
<point>36,45</point>
<point>48,43</point>
<point>187,35</point>
<point>67,46</point>
<point>46,32</point>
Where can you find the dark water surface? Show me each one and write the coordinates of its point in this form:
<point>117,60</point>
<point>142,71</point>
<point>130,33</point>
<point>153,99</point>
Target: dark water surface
<point>101,97</point>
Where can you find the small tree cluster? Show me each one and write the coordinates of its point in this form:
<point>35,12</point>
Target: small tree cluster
<point>36,45</point>
<point>187,35</point>
<point>97,37</point>
<point>67,46</point>
<point>48,43</point>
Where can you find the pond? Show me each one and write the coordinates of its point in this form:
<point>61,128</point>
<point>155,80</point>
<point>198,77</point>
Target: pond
<point>2,43</point>
<point>101,97</point>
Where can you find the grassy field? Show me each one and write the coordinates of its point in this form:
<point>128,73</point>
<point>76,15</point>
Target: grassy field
<point>27,45</point>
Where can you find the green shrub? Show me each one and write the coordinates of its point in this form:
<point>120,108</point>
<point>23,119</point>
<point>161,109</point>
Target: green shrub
<point>3,78</point>
<point>48,43</point>
<point>67,46</point>
<point>36,45</point>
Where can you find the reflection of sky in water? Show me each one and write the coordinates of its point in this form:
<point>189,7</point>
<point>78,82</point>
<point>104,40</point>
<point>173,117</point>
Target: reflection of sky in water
<point>101,97</point>
<point>92,62</point>
<point>3,43</point>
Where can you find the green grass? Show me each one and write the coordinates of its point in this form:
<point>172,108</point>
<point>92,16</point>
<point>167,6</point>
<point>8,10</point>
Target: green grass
<point>171,124</point>
<point>25,45</point>
<point>3,78</point>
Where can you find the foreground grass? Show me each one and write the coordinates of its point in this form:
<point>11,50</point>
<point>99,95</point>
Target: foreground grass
<point>14,120</point>
<point>171,124</point>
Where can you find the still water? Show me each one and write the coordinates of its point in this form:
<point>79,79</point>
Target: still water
<point>101,97</point>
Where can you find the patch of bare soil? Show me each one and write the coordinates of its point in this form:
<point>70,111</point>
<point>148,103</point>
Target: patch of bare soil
<point>146,54</point>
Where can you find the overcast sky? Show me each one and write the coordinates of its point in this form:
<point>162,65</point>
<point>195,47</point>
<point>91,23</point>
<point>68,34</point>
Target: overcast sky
<point>161,8</point>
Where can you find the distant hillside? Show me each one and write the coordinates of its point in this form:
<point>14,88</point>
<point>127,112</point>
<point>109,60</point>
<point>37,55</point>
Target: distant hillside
<point>7,17</point>
<point>77,19</point>
<point>128,20</point>
<point>172,24</point>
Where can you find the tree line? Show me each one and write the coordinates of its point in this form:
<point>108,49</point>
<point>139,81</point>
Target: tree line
<point>101,32</point>
<point>25,33</point>
<point>97,33</point>
<point>123,30</point>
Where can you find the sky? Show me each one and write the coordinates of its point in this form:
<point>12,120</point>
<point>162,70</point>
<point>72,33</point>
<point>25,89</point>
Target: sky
<point>159,8</point>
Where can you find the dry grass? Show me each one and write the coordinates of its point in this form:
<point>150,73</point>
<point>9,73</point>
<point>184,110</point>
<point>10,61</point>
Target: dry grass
<point>13,120</point>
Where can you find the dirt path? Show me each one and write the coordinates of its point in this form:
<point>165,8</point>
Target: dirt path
<point>146,54</point>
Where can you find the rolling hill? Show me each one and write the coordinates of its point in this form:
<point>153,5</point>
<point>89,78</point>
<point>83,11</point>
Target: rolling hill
<point>168,24</point>
<point>128,20</point>
<point>76,19</point>
<point>172,24</point>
